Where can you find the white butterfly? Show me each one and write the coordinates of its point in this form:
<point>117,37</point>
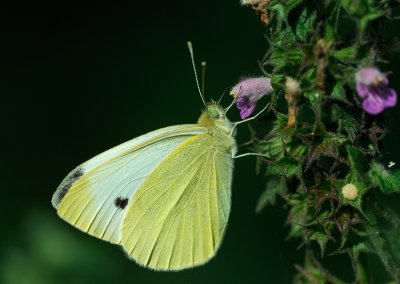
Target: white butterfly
<point>165,196</point>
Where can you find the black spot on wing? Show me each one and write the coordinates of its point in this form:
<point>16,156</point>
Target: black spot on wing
<point>121,202</point>
<point>68,182</point>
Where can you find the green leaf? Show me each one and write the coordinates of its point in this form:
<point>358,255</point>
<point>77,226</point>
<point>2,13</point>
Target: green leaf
<point>275,185</point>
<point>339,93</point>
<point>297,215</point>
<point>389,224</point>
<point>346,122</point>
<point>332,21</point>
<point>272,147</point>
<point>381,248</point>
<point>329,33</point>
<point>311,96</point>
<point>321,238</point>
<point>285,56</point>
<point>346,54</point>
<point>286,166</point>
<point>305,24</point>
<point>356,8</point>
<point>357,161</point>
<point>388,182</point>
<point>372,15</point>
<point>308,75</point>
<point>329,147</point>
<point>363,10</point>
<point>278,12</point>
<point>277,81</point>
<point>319,229</point>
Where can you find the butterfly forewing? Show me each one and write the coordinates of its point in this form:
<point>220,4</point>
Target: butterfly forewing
<point>178,217</point>
<point>95,195</point>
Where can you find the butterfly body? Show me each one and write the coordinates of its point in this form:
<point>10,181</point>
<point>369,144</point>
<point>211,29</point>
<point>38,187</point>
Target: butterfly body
<point>164,196</point>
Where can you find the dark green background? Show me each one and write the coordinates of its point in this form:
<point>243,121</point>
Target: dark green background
<point>77,79</point>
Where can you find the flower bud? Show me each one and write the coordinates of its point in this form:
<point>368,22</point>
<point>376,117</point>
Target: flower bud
<point>350,191</point>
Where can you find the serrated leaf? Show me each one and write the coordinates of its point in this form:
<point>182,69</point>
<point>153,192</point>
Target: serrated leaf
<point>272,147</point>
<point>388,182</point>
<point>330,28</point>
<point>329,147</point>
<point>309,74</point>
<point>277,81</point>
<point>329,32</point>
<point>346,122</point>
<point>321,238</point>
<point>357,161</point>
<point>346,54</point>
<point>297,216</point>
<point>339,93</point>
<point>305,24</point>
<point>275,185</point>
<point>389,224</point>
<point>381,248</point>
<point>286,166</point>
<point>282,57</point>
<point>319,229</point>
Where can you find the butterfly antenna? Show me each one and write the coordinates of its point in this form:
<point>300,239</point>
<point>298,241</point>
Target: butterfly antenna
<point>203,77</point>
<point>222,95</point>
<point>195,72</point>
<point>232,103</point>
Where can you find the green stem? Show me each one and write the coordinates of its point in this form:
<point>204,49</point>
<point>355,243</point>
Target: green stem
<point>362,271</point>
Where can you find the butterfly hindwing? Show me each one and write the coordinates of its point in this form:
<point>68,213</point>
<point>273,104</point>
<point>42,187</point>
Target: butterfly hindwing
<point>94,197</point>
<point>178,216</point>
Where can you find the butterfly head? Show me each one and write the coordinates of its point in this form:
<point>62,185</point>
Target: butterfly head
<point>214,111</point>
<point>213,117</point>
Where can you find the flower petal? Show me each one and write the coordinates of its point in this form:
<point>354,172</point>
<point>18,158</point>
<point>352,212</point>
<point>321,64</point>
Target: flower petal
<point>242,102</point>
<point>362,90</point>
<point>390,97</point>
<point>247,111</point>
<point>253,88</point>
<point>373,104</point>
<point>245,106</point>
<point>369,75</point>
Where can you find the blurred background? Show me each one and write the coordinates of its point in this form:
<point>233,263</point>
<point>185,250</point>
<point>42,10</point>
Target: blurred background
<point>77,79</point>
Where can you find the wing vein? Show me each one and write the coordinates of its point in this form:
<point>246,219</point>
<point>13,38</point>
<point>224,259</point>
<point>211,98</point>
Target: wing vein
<point>170,211</point>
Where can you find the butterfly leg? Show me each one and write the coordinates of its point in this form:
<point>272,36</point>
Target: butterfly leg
<point>248,119</point>
<point>250,154</point>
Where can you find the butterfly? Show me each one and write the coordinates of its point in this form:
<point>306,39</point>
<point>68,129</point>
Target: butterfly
<point>165,196</point>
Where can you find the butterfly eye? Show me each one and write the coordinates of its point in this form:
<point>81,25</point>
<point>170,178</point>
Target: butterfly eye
<point>213,113</point>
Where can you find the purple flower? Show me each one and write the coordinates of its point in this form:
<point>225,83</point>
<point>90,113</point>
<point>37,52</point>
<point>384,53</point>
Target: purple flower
<point>372,87</point>
<point>248,92</point>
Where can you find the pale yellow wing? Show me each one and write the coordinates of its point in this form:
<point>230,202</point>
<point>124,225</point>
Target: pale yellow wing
<point>179,215</point>
<point>94,196</point>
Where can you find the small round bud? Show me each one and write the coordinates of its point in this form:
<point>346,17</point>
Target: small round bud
<point>350,191</point>
<point>292,88</point>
